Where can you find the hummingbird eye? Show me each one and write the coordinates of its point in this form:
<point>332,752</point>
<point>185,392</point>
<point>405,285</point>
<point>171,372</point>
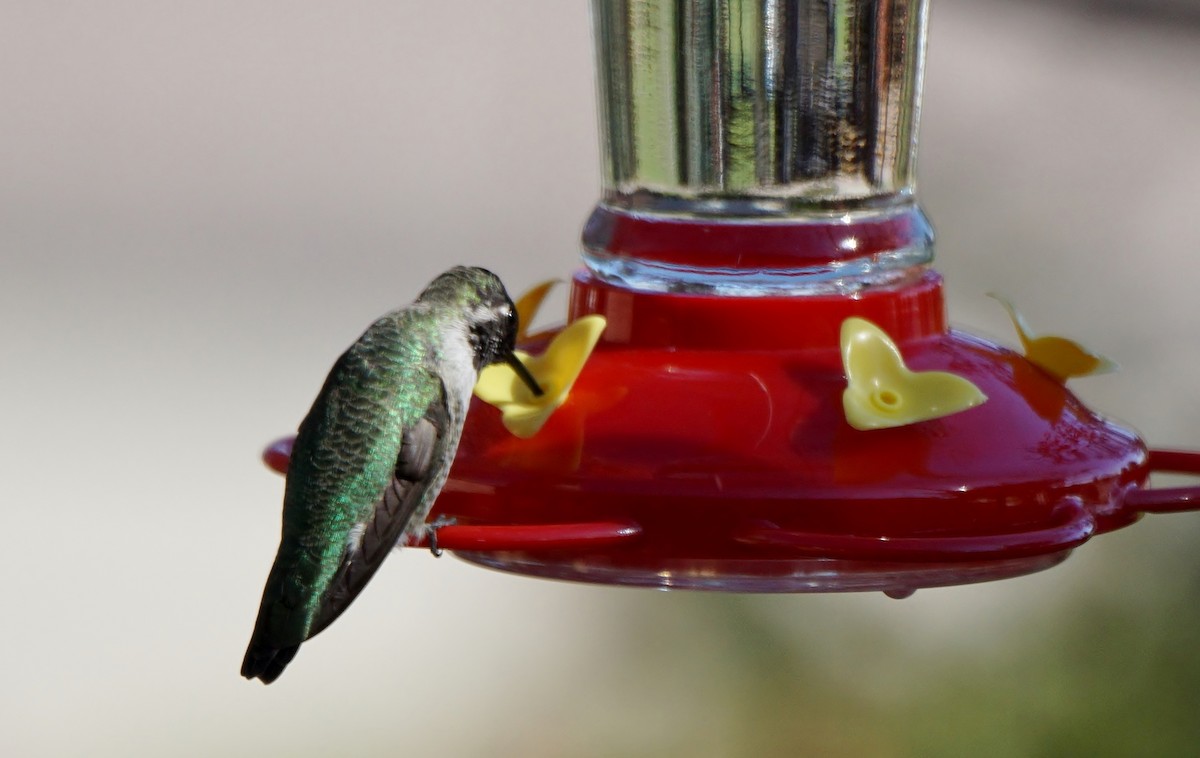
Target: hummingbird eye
<point>509,316</point>
<point>506,314</point>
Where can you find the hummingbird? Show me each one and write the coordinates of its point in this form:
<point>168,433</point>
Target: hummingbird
<point>373,453</point>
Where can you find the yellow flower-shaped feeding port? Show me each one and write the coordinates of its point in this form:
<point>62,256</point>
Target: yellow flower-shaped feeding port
<point>555,370</point>
<point>881,392</point>
<point>529,304</point>
<point>1060,357</point>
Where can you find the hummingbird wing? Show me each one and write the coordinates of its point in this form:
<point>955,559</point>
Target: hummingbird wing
<point>401,508</point>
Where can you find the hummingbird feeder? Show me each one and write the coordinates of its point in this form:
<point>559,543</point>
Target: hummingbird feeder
<point>777,403</point>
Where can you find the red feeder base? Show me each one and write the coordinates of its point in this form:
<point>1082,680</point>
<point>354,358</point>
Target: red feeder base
<point>704,447</point>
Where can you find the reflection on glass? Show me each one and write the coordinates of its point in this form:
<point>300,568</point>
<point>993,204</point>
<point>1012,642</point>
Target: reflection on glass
<point>759,106</point>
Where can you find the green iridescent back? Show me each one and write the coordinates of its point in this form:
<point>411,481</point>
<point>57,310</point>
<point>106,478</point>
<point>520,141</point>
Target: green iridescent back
<point>345,454</point>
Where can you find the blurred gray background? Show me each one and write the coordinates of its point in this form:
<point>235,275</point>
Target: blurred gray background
<point>202,204</point>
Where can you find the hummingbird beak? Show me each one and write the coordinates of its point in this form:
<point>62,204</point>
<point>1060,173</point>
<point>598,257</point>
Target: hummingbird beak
<point>515,362</point>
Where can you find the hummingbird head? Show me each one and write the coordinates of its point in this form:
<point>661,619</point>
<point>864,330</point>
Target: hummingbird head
<point>491,317</point>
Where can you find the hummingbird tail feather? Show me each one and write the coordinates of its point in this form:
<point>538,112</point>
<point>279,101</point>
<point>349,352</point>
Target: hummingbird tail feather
<point>265,662</point>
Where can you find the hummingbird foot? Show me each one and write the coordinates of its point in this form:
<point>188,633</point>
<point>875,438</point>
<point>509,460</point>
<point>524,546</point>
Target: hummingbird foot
<point>432,529</point>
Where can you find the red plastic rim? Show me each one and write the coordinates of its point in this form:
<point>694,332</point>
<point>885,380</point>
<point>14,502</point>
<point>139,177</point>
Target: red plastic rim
<point>1071,524</point>
<point>1168,499</point>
